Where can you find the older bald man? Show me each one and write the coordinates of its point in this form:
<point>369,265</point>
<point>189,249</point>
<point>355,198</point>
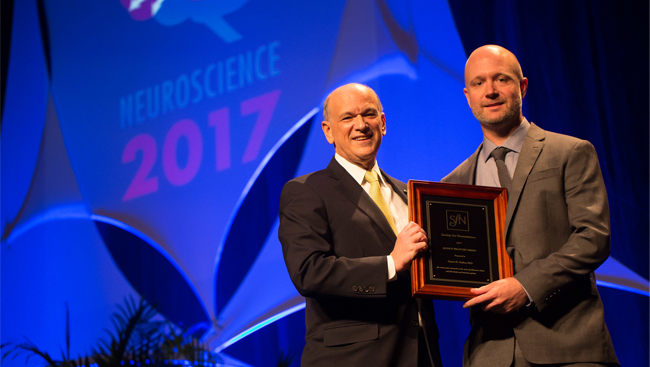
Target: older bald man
<point>348,245</point>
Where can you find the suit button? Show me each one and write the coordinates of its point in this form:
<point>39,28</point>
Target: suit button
<point>372,289</point>
<point>366,289</point>
<point>415,323</point>
<point>354,288</point>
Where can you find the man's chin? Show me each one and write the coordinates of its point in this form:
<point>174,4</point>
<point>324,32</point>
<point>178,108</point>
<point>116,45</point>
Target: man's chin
<point>497,121</point>
<point>492,122</point>
<point>366,159</point>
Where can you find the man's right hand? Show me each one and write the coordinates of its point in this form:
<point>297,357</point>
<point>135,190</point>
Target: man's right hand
<point>410,241</point>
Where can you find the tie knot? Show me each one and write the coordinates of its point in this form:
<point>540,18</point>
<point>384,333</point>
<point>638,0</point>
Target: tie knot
<point>499,153</point>
<point>371,176</point>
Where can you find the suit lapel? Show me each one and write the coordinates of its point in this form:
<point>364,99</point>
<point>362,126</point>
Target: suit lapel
<point>355,193</point>
<point>470,174</point>
<point>530,150</point>
<point>465,173</point>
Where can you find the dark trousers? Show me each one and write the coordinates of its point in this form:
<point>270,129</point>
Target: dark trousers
<point>424,359</point>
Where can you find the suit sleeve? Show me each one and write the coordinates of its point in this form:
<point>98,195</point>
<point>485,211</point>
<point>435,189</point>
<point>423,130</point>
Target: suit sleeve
<point>309,252</point>
<point>588,244</point>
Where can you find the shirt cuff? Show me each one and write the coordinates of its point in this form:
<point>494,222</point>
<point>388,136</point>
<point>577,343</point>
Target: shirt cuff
<point>392,273</point>
<point>530,300</point>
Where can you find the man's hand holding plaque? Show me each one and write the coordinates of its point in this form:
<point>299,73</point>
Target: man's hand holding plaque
<point>503,296</point>
<point>410,241</point>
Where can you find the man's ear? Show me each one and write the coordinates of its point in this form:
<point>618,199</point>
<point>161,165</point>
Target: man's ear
<point>467,96</point>
<point>523,86</point>
<point>383,124</point>
<point>327,130</point>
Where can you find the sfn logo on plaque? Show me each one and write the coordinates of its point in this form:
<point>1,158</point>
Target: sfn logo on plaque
<point>457,220</point>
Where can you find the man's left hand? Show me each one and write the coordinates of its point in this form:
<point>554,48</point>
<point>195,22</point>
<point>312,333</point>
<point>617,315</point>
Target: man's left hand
<point>502,296</point>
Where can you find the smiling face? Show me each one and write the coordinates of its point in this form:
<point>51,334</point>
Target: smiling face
<point>494,87</point>
<point>356,124</point>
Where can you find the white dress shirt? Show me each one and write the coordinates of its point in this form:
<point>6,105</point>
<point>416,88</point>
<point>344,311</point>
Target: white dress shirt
<point>398,207</point>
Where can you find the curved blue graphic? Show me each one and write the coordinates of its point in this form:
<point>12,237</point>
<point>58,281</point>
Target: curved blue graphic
<point>258,209</point>
<point>209,13</point>
<point>23,117</point>
<point>154,274</point>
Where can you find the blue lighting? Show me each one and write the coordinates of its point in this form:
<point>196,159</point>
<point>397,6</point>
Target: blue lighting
<point>622,287</point>
<point>258,326</point>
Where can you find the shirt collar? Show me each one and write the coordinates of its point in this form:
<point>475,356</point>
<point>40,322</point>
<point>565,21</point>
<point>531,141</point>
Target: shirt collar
<point>357,172</point>
<point>514,142</point>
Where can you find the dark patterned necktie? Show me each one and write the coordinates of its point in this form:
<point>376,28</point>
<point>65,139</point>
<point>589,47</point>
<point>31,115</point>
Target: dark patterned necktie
<point>499,155</point>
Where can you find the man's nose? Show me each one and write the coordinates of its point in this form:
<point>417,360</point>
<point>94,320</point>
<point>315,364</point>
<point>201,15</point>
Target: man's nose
<point>490,90</point>
<point>360,122</point>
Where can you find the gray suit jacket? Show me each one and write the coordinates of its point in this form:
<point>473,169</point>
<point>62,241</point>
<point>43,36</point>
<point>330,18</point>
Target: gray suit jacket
<point>335,241</point>
<point>557,234</point>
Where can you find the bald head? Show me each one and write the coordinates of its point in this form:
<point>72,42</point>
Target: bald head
<point>344,89</point>
<point>494,52</point>
<point>494,88</point>
<point>354,124</point>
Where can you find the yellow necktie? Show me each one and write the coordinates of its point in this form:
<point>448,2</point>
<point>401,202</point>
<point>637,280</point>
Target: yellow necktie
<point>378,198</point>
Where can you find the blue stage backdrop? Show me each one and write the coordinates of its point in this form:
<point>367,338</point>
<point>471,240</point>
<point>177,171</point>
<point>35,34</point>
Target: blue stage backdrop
<point>145,144</point>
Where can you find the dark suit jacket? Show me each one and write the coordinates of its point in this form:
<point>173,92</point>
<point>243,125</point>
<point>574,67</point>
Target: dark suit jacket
<point>335,241</point>
<point>557,234</point>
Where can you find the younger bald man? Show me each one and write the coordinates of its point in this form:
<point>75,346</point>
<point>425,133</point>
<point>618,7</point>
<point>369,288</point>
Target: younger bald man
<point>557,231</point>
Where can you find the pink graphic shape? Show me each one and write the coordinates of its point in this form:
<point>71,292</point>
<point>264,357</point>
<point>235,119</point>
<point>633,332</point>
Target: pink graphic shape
<point>141,184</point>
<point>220,120</point>
<point>189,130</point>
<point>141,9</point>
<point>265,104</point>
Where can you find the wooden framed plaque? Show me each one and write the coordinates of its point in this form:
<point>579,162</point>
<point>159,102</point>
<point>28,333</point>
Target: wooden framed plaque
<point>465,225</point>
